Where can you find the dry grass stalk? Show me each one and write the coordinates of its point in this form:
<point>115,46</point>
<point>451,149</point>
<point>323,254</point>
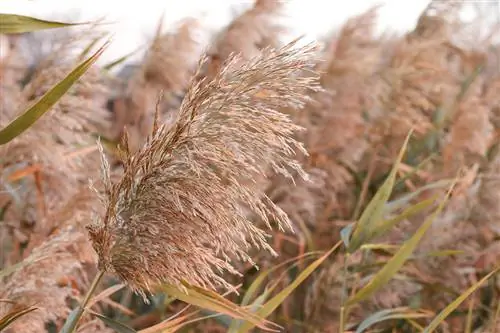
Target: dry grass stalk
<point>177,214</point>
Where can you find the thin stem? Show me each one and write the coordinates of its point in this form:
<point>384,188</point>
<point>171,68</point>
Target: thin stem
<point>343,295</point>
<point>74,318</point>
<point>342,319</point>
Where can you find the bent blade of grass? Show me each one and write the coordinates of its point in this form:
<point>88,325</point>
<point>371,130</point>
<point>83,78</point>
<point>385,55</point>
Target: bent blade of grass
<point>17,24</point>
<point>274,302</point>
<point>178,323</point>
<point>369,220</point>
<point>214,302</point>
<point>14,315</point>
<point>456,303</point>
<point>388,224</point>
<point>405,199</point>
<point>389,314</point>
<point>105,294</point>
<point>257,282</point>
<point>120,60</point>
<point>169,325</point>
<point>30,116</point>
<point>115,325</point>
<point>397,261</point>
<point>262,276</point>
<point>90,46</point>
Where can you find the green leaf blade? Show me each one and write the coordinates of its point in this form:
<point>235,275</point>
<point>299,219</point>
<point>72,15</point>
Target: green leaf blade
<point>373,213</point>
<point>115,325</point>
<point>456,303</point>
<point>49,99</point>
<point>14,315</point>
<point>17,24</point>
<point>397,261</point>
<point>214,302</point>
<point>274,302</point>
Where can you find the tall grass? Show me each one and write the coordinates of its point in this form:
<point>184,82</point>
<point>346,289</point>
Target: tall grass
<point>260,186</point>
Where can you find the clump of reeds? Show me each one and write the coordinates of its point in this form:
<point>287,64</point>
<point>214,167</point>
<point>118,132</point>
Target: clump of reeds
<point>194,193</point>
<point>179,211</point>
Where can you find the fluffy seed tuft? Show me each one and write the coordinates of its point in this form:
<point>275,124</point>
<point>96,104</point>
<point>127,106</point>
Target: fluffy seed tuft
<point>180,211</point>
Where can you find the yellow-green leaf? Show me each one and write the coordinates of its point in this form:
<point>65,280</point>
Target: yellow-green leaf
<point>369,221</point>
<point>16,24</point>
<point>214,302</point>
<point>257,282</point>
<point>120,60</point>
<point>403,200</point>
<point>387,225</point>
<point>397,261</point>
<point>115,325</point>
<point>456,303</point>
<point>30,116</point>
<point>90,46</point>
<point>274,302</point>
<point>389,314</point>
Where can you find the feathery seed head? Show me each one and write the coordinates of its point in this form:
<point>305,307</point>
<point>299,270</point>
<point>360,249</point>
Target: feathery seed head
<point>179,213</point>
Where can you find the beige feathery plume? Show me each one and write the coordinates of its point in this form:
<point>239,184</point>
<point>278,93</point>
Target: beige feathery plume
<point>247,35</point>
<point>172,57</point>
<point>168,65</point>
<point>59,252</point>
<point>41,282</point>
<point>179,213</point>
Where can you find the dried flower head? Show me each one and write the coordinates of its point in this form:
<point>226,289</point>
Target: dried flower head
<point>180,210</point>
<point>248,34</point>
<point>44,281</point>
<point>167,66</point>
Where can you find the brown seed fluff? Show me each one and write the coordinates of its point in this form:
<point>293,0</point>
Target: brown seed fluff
<point>180,211</point>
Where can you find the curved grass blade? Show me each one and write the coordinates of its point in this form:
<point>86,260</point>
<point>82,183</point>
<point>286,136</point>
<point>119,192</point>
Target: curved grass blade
<point>406,198</point>
<point>389,314</point>
<point>14,315</point>
<point>90,46</point>
<point>456,303</point>
<point>30,116</point>
<point>387,225</point>
<point>387,272</point>
<point>257,282</point>
<point>214,302</point>
<point>17,24</point>
<point>176,324</point>
<point>120,60</point>
<point>260,279</point>
<point>274,302</point>
<point>115,325</point>
<point>369,221</point>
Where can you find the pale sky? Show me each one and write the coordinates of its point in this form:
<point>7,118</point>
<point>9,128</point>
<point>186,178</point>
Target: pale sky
<point>132,21</point>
